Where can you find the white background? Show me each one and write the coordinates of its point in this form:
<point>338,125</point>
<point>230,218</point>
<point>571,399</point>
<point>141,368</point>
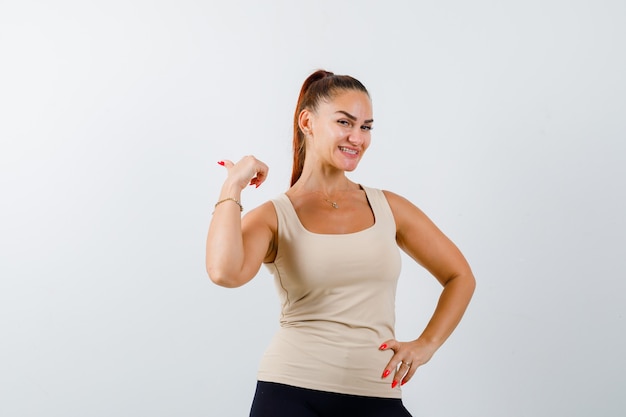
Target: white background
<point>504,121</point>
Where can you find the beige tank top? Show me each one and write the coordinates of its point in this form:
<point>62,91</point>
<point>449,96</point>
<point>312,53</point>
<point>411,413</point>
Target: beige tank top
<point>337,294</point>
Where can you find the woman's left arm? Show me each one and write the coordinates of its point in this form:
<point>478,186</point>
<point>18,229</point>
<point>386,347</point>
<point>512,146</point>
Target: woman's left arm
<point>418,236</point>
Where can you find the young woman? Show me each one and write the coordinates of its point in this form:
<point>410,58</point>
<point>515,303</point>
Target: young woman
<point>332,246</point>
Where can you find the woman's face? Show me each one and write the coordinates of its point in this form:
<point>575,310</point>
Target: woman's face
<point>339,131</point>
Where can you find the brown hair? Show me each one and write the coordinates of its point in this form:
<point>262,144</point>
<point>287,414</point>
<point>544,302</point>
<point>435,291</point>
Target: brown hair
<point>321,85</point>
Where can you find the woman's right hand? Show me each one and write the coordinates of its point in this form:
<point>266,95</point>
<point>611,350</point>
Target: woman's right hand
<point>248,171</point>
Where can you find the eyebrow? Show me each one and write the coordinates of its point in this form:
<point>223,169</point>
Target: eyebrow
<point>351,117</point>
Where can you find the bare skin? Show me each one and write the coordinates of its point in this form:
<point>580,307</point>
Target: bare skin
<point>337,135</point>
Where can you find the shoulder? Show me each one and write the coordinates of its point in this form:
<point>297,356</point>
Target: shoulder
<point>263,215</point>
<point>407,215</point>
<point>393,198</point>
<point>399,205</point>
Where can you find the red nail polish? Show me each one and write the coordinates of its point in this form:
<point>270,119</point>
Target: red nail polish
<point>403,382</point>
<point>394,384</point>
<point>383,346</point>
<point>386,373</point>
<point>221,163</point>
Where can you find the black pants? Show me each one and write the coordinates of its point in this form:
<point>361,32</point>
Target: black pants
<point>279,400</point>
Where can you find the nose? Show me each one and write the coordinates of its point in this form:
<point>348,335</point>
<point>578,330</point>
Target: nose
<point>357,136</point>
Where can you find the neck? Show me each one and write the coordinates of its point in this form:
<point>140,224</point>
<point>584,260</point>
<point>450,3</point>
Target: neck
<point>319,176</point>
<point>329,185</point>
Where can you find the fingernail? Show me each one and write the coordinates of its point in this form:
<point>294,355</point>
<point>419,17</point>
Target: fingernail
<point>383,346</point>
<point>394,384</point>
<point>257,185</point>
<point>221,163</point>
<point>403,382</point>
<point>386,373</point>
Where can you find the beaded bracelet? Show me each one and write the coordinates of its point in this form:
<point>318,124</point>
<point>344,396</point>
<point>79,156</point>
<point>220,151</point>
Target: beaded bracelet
<point>230,199</point>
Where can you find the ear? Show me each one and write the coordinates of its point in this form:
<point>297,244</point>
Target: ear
<point>305,121</point>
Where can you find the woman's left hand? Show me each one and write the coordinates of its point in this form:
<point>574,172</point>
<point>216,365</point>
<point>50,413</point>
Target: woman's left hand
<point>407,357</point>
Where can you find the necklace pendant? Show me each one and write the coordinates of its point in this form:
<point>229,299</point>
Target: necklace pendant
<point>332,203</point>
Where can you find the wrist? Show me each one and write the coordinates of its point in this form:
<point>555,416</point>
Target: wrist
<point>230,190</point>
<point>432,344</point>
<point>234,200</point>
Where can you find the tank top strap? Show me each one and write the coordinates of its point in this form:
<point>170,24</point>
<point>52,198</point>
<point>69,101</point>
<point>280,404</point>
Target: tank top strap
<point>285,212</point>
<point>380,206</point>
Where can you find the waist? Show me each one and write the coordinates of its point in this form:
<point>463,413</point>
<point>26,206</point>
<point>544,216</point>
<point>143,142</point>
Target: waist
<point>346,362</point>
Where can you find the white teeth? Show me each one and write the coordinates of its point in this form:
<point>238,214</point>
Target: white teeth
<point>350,151</point>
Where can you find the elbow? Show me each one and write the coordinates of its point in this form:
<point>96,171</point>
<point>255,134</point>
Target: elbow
<point>470,284</point>
<point>222,278</point>
<point>467,277</point>
<point>464,281</point>
<point>470,279</point>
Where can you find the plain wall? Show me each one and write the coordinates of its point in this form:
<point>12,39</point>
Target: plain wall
<point>504,121</point>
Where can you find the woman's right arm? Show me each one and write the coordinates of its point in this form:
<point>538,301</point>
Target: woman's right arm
<point>236,247</point>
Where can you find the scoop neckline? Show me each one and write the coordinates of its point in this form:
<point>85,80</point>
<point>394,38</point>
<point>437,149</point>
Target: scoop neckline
<point>301,225</point>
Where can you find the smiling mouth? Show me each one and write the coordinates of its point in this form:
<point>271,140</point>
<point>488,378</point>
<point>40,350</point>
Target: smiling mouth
<point>348,150</point>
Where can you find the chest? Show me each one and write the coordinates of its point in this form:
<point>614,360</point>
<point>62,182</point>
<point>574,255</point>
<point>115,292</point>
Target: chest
<point>350,214</point>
